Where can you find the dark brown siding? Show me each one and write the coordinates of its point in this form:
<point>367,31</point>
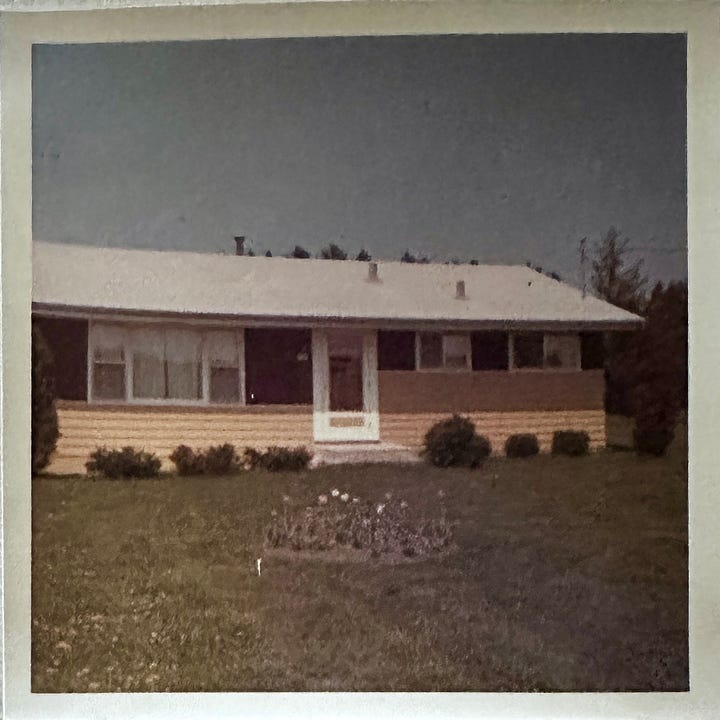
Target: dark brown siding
<point>274,374</point>
<point>437,392</point>
<point>67,340</point>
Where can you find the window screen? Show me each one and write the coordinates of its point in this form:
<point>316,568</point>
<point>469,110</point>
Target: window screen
<point>108,362</point>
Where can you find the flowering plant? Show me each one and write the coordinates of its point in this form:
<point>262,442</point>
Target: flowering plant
<point>384,527</point>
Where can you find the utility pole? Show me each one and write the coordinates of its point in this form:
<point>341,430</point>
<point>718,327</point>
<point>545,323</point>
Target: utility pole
<point>583,258</point>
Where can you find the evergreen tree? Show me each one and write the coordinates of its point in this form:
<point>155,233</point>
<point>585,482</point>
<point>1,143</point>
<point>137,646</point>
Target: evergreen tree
<point>364,256</point>
<point>659,355</point>
<point>333,252</point>
<point>408,257</point>
<point>44,421</point>
<point>299,252</point>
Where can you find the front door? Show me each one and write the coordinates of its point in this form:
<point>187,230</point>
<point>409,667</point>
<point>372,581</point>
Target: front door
<point>345,393</point>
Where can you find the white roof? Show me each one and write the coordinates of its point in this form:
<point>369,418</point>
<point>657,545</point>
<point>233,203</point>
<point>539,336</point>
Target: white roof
<point>76,278</point>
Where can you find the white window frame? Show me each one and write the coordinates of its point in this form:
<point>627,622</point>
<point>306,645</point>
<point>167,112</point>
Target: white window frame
<point>545,368</point>
<point>129,399</point>
<point>444,368</point>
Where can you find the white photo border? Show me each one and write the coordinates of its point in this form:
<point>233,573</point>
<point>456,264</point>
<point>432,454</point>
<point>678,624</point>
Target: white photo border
<point>20,30</point>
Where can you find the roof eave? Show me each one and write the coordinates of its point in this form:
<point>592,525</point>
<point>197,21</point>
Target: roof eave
<point>567,325</point>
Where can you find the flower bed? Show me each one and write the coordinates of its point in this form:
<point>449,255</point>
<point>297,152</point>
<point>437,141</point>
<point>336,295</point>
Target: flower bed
<point>338,520</point>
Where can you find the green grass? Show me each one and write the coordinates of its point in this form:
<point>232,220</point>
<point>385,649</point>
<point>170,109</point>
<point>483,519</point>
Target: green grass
<point>570,574</point>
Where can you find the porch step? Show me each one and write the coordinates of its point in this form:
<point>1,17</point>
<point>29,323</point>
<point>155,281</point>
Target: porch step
<point>362,453</point>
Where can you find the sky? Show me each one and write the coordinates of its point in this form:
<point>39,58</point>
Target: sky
<point>501,148</point>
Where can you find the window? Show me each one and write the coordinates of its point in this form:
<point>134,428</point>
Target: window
<point>437,351</point>
<point>489,350</point>
<point>396,350</point>
<point>224,361</point>
<point>528,350</point>
<point>166,364</point>
<point>108,358</point>
<point>560,351</point>
<point>179,365</point>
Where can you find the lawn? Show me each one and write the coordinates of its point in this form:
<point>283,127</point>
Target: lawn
<point>569,574</point>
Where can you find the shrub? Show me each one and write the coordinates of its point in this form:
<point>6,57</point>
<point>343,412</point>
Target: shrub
<point>126,463</point>
<point>652,440</point>
<point>276,459</point>
<point>44,422</point>
<point>187,461</point>
<point>215,460</point>
<point>455,442</point>
<point>655,418</point>
<point>335,521</point>
<point>522,445</point>
<point>570,442</point>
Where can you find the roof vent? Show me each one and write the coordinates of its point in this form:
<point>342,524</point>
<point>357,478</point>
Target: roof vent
<point>239,244</point>
<point>460,290</point>
<point>373,272</point>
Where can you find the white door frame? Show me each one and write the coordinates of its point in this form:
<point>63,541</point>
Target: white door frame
<point>344,426</point>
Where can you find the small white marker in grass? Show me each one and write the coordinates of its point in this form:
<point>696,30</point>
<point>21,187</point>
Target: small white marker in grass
<point>258,562</point>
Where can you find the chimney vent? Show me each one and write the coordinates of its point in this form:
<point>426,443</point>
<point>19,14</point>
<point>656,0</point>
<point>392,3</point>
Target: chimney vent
<point>239,244</point>
<point>460,290</point>
<point>373,272</point>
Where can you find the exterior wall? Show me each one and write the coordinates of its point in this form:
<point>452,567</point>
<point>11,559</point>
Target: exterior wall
<point>499,403</point>
<point>161,429</point>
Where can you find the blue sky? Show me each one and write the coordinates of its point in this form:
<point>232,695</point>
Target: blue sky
<point>500,148</point>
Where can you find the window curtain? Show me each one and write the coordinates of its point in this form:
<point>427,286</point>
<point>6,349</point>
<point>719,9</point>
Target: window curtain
<point>148,355</point>
<point>457,348</point>
<point>562,351</point>
<point>183,363</point>
<point>222,350</point>
<point>107,343</point>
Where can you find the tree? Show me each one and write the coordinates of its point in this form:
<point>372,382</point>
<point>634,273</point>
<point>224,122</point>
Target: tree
<point>268,254</point>
<point>333,252</point>
<point>659,352</point>
<point>408,257</point>
<point>299,252</point>
<point>44,422</point>
<point>622,284</point>
<point>613,278</point>
<point>364,256</point>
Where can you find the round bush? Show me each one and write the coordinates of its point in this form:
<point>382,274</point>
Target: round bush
<point>570,442</point>
<point>124,463</point>
<point>455,443</point>
<point>523,445</point>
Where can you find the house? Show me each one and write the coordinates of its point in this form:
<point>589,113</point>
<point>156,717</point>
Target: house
<point>155,348</point>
